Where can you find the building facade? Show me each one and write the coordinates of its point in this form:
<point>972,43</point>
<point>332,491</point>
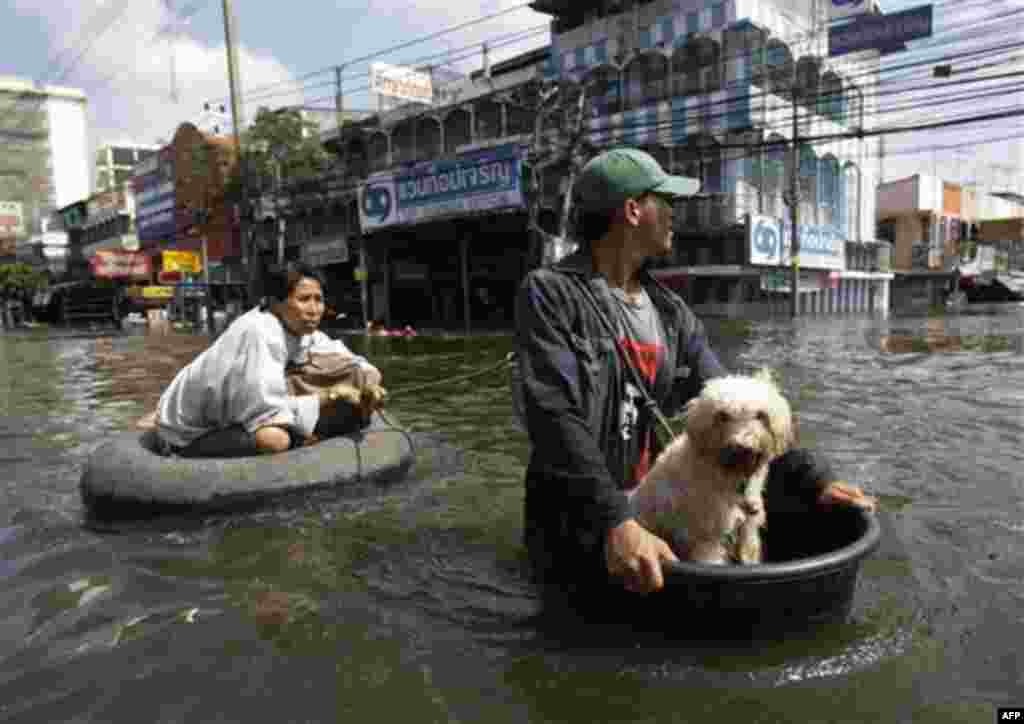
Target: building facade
<point>181,198</point>
<point>938,227</point>
<point>712,90</point>
<point>115,164</point>
<point>717,91</point>
<point>43,166</point>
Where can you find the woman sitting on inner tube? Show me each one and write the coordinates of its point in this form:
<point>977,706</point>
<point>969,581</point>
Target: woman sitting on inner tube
<point>233,400</point>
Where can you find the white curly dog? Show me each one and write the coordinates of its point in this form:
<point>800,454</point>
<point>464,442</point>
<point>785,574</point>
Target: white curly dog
<point>710,479</point>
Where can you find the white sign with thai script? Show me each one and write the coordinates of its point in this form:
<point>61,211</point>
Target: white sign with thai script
<point>821,247</point>
<point>398,82</point>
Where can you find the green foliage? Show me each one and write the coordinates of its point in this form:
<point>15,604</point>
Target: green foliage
<point>283,141</point>
<point>16,279</point>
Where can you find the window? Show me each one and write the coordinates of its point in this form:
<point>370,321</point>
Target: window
<point>123,156</point>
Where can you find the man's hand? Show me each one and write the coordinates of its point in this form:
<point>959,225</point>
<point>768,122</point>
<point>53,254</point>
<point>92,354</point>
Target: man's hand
<point>842,493</point>
<point>635,555</point>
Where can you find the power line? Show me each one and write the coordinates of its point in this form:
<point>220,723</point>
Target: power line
<point>508,39</point>
<point>393,48</point>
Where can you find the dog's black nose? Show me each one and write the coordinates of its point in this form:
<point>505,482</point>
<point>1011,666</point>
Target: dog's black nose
<point>737,455</point>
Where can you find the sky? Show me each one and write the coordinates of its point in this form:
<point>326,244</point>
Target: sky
<point>958,153</point>
<point>120,53</point>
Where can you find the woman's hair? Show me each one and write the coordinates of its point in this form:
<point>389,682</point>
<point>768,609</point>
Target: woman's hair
<point>282,283</point>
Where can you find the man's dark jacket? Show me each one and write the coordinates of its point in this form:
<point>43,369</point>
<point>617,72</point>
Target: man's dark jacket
<point>572,383</point>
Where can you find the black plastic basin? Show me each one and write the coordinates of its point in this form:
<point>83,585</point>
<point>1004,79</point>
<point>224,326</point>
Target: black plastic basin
<point>809,575</point>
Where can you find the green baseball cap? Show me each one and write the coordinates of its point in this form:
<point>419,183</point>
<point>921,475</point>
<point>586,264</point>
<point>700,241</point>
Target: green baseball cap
<point>610,178</point>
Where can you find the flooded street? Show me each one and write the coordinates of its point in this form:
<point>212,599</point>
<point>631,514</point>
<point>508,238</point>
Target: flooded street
<point>409,602</point>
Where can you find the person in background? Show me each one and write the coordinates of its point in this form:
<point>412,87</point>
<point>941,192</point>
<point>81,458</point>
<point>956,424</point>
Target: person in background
<point>233,399</point>
<point>592,437</point>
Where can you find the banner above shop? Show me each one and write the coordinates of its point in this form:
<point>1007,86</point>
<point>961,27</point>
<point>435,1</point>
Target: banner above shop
<point>480,181</point>
<point>181,261</point>
<point>111,264</point>
<point>768,240</point>
<point>398,82</point>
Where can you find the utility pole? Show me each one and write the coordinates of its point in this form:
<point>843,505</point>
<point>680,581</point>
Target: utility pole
<point>339,101</point>
<point>339,108</point>
<point>794,215</point>
<point>248,255</point>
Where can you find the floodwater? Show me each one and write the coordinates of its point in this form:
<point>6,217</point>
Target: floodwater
<point>409,602</point>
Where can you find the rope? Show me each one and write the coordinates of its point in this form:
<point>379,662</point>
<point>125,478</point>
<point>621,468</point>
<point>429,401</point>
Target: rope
<point>458,378</point>
<point>437,383</point>
<point>398,428</point>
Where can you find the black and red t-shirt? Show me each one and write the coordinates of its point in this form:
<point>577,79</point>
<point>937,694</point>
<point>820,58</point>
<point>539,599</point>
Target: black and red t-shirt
<point>641,337</point>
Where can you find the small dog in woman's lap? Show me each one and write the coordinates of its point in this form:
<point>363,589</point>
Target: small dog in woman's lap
<point>710,480</point>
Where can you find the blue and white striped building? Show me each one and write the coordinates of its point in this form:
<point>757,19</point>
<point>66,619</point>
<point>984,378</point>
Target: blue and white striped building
<point>710,88</point>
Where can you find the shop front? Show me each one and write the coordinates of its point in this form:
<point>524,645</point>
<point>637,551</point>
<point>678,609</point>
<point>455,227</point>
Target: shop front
<point>446,241</point>
<point>835,275</point>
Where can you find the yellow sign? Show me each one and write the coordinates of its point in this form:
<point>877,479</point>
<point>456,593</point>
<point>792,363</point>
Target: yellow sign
<point>182,261</point>
<point>359,274</point>
<point>157,292</point>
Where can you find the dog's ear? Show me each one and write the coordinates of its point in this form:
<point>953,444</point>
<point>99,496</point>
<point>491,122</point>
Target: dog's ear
<point>700,423</point>
<point>768,376</point>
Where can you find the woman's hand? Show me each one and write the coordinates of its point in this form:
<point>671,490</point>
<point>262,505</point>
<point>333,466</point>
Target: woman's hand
<point>372,398</point>
<point>341,392</point>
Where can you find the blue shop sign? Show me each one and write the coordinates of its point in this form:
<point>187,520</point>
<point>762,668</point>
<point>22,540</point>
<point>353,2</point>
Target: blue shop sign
<point>479,181</point>
<point>885,33</point>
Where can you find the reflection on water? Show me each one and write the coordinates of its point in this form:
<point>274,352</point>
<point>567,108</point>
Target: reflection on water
<point>412,602</point>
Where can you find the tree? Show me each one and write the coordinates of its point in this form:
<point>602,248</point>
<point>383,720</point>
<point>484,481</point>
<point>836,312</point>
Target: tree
<point>18,280</point>
<point>567,102</point>
<point>282,144</point>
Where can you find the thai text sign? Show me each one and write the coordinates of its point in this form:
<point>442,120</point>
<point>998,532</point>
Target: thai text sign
<point>397,82</point>
<point>12,222</point>
<point>154,196</point>
<point>110,264</point>
<point>158,292</point>
<point>150,292</point>
<point>880,32</point>
<point>479,181</point>
<point>182,261</point>
<point>769,242</point>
